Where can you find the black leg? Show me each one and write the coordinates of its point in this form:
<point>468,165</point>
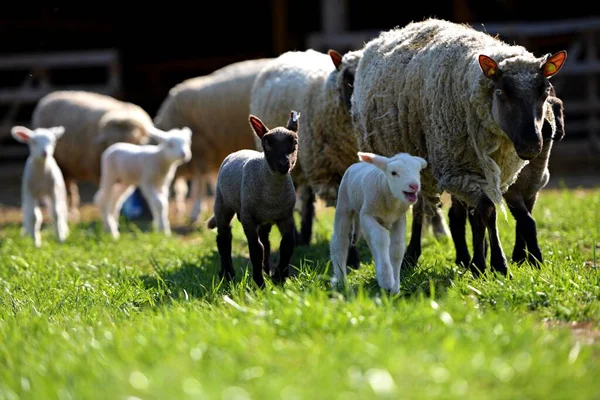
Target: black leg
<point>528,230</point>
<point>224,246</point>
<point>256,250</point>
<point>286,250</point>
<point>263,235</point>
<point>487,212</point>
<point>458,221</point>
<point>519,250</point>
<point>308,213</point>
<point>413,251</point>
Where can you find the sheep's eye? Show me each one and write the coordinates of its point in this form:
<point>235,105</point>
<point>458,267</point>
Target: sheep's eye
<point>394,173</point>
<point>499,92</point>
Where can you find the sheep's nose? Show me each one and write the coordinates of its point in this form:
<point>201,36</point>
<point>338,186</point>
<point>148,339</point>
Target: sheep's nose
<point>414,186</point>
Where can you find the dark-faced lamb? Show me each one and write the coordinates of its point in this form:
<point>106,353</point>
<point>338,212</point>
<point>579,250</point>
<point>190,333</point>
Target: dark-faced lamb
<point>257,187</point>
<point>472,105</point>
<point>374,197</point>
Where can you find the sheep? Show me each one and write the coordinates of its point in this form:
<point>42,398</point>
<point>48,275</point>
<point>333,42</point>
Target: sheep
<point>521,196</point>
<point>92,122</point>
<point>215,107</point>
<point>42,181</point>
<point>126,166</point>
<point>320,85</point>
<point>258,188</point>
<point>468,103</point>
<point>375,194</point>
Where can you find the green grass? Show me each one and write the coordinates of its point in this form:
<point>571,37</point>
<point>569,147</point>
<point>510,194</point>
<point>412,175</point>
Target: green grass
<point>145,318</point>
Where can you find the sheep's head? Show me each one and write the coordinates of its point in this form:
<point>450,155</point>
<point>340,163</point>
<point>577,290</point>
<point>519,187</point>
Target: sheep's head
<point>280,145</point>
<point>346,67</point>
<point>41,141</point>
<point>519,98</point>
<point>176,143</point>
<point>402,172</point>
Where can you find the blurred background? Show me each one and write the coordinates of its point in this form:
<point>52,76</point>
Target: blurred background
<point>138,53</point>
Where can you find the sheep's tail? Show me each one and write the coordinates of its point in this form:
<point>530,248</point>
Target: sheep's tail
<point>292,123</point>
<point>212,222</point>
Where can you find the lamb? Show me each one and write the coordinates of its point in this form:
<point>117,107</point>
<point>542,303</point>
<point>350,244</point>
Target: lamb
<point>468,103</point>
<point>520,196</point>
<point>258,187</point>
<point>126,166</point>
<point>375,194</point>
<point>320,85</point>
<point>92,122</point>
<point>42,181</point>
<point>215,107</point>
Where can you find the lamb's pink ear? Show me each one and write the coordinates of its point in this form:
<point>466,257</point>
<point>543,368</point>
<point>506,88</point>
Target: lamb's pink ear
<point>336,58</point>
<point>378,161</point>
<point>489,67</point>
<point>422,161</point>
<point>257,126</point>
<point>21,133</point>
<point>554,63</point>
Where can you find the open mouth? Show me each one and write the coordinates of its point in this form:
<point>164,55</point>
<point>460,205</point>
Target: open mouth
<point>410,196</point>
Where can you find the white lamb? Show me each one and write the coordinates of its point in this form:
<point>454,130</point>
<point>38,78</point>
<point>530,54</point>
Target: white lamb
<point>42,180</point>
<point>376,194</point>
<point>125,166</point>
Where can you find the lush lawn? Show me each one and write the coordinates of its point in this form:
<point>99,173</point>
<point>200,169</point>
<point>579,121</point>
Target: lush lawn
<point>145,318</point>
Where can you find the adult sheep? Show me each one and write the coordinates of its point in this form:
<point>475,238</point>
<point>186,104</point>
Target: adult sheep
<point>92,122</point>
<point>215,107</point>
<point>318,85</point>
<point>467,102</point>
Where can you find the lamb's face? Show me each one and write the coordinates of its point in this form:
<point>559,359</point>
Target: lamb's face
<point>41,141</point>
<point>280,146</point>
<point>178,146</point>
<point>402,172</point>
<point>519,99</point>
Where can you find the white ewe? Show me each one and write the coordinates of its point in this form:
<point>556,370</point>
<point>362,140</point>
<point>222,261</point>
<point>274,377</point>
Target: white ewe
<point>125,166</point>
<point>42,180</point>
<point>376,194</point>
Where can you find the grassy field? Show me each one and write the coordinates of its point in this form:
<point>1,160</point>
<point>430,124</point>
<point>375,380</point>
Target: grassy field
<point>145,318</point>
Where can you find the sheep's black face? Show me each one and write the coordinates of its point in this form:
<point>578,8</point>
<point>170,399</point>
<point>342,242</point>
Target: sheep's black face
<point>347,86</point>
<point>281,150</point>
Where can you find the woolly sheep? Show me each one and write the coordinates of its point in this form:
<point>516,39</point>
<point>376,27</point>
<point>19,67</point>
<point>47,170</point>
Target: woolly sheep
<point>319,84</point>
<point>375,195</point>
<point>126,166</point>
<point>258,187</point>
<point>215,107</point>
<point>467,102</point>
<point>42,181</point>
<point>521,196</point>
<point>92,122</point>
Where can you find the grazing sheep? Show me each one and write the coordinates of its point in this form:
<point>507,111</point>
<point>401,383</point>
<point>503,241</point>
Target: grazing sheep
<point>215,107</point>
<point>320,85</point>
<point>375,195</point>
<point>92,122</point>
<point>42,181</point>
<point>258,187</point>
<point>521,196</point>
<point>468,103</point>
<point>126,166</point>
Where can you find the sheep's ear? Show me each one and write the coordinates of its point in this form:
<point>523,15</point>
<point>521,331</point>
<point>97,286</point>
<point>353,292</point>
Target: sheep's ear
<point>422,161</point>
<point>336,58</point>
<point>187,132</point>
<point>489,67</point>
<point>554,63</point>
<point>58,131</point>
<point>257,126</point>
<point>377,160</point>
<point>157,134</point>
<point>292,123</point>
<point>21,133</point>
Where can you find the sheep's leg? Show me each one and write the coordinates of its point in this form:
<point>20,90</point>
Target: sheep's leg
<point>458,221</point>
<point>32,219</point>
<point>286,249</point>
<point>158,199</point>
<point>379,243</point>
<point>525,232</point>
<point>339,243</point>
<point>180,189</point>
<point>307,201</point>
<point>58,208</point>
<point>438,224</point>
<point>256,250</point>
<point>120,193</point>
<point>198,195</point>
<point>413,252</point>
<point>223,217</point>
<point>73,199</point>
<point>263,235</point>
<point>397,248</point>
<point>485,218</point>
<point>534,252</point>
